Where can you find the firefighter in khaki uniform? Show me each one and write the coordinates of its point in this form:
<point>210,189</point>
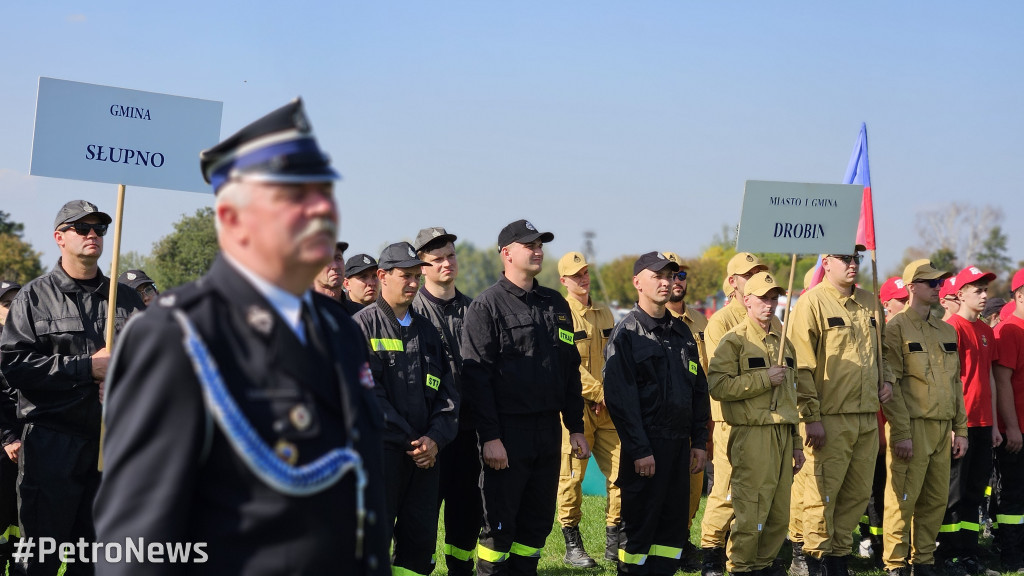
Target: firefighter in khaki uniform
<point>592,324</point>
<point>698,324</point>
<point>927,406</point>
<point>838,394</point>
<point>758,399</point>
<point>718,510</point>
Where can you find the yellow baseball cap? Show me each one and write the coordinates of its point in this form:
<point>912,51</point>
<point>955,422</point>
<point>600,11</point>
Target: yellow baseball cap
<point>761,284</point>
<point>571,263</point>
<point>743,263</point>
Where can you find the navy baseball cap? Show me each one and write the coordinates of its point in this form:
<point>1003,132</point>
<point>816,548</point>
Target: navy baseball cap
<point>134,278</point>
<point>523,232</point>
<point>358,263</point>
<point>399,255</point>
<point>8,286</point>
<point>278,147</point>
<point>653,261</point>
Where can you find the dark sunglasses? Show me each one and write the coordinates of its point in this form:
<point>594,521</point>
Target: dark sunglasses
<point>933,283</point>
<point>681,275</point>
<point>847,259</point>
<point>83,228</point>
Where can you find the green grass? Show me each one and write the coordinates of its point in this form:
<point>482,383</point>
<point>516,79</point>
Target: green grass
<point>592,529</point>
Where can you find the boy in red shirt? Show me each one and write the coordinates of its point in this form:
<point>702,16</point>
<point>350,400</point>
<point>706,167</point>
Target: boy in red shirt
<point>969,476</point>
<point>1009,461</point>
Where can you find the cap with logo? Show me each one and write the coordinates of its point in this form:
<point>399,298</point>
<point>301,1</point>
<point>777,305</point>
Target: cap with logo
<point>922,270</point>
<point>571,263</point>
<point>653,261</point>
<point>893,288</point>
<point>523,232</point>
<point>278,147</point>
<point>398,255</point>
<point>359,263</point>
<point>948,288</point>
<point>8,286</point>
<point>134,278</point>
<point>433,237</point>
<point>677,259</point>
<point>761,284</point>
<point>76,210</point>
<point>744,263</point>
<point>972,274</point>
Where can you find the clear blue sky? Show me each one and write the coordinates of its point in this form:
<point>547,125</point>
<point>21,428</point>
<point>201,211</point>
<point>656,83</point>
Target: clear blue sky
<point>637,120</point>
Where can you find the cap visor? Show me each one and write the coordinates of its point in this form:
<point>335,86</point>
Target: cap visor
<point>411,263</point>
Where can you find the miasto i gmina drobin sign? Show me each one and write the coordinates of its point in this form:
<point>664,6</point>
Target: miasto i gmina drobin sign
<point>105,134</point>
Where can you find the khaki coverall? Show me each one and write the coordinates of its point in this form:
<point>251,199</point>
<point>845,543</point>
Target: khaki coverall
<point>718,510</point>
<point>592,325</point>
<point>927,404</point>
<point>837,384</point>
<point>698,324</point>
<point>761,440</point>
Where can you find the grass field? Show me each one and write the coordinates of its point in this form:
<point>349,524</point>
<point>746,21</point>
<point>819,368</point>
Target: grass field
<point>592,528</point>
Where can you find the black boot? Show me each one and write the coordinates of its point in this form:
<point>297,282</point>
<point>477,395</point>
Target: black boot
<point>690,559</point>
<point>813,566</point>
<point>575,555</point>
<point>713,563</point>
<point>798,567</point>
<point>611,543</point>
<point>832,566</point>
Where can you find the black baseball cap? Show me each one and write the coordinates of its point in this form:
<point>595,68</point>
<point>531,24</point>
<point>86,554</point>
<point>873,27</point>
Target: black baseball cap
<point>653,261</point>
<point>433,237</point>
<point>358,263</point>
<point>76,210</point>
<point>279,147</point>
<point>523,232</point>
<point>8,286</point>
<point>134,278</point>
<point>399,255</point>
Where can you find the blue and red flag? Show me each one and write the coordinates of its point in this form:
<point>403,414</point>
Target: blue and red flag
<point>857,172</point>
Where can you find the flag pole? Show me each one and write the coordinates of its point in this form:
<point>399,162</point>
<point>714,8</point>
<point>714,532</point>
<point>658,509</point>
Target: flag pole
<point>112,299</point>
<point>785,322</point>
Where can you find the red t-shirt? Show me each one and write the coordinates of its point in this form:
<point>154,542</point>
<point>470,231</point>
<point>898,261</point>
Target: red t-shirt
<point>1010,347</point>
<point>976,344</point>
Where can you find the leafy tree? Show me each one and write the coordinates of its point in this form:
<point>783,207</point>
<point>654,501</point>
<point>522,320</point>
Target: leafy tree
<point>133,261</point>
<point>18,261</point>
<point>993,258</point>
<point>478,269</point>
<point>618,281</point>
<point>7,226</point>
<point>944,259</point>
<point>185,254</point>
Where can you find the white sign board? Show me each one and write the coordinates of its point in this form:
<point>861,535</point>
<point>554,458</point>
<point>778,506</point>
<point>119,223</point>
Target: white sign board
<point>120,136</point>
<point>799,218</point>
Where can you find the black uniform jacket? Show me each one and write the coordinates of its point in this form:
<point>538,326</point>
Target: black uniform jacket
<point>55,324</point>
<point>414,383</point>
<point>170,474</point>
<point>448,316</point>
<point>654,384</point>
<point>519,357</point>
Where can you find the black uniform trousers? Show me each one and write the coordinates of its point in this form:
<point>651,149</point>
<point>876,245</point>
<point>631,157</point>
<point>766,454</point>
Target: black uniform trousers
<point>655,509</point>
<point>968,479</point>
<point>460,484</point>
<point>519,501</point>
<point>871,522</point>
<point>8,509</point>
<point>1008,494</point>
<point>57,483</point>
<point>412,509</point>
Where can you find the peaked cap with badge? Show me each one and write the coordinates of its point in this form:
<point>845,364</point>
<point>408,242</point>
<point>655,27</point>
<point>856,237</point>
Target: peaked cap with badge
<point>215,395</point>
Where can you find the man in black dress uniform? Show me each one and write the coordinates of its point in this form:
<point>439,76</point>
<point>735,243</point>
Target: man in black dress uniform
<point>240,411</point>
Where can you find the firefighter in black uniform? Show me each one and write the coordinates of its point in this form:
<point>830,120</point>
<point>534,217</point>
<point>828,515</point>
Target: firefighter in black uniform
<point>417,396</point>
<point>240,409</point>
<point>445,306</point>
<point>520,370</point>
<point>657,395</point>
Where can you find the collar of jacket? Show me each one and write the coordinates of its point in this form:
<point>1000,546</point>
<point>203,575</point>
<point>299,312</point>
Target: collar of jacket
<point>932,319</point>
<point>774,327</point>
<point>385,309</point>
<point>426,294</point>
<point>651,324</point>
<point>839,296</point>
<point>516,290</point>
<point>66,283</point>
<point>581,308</point>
